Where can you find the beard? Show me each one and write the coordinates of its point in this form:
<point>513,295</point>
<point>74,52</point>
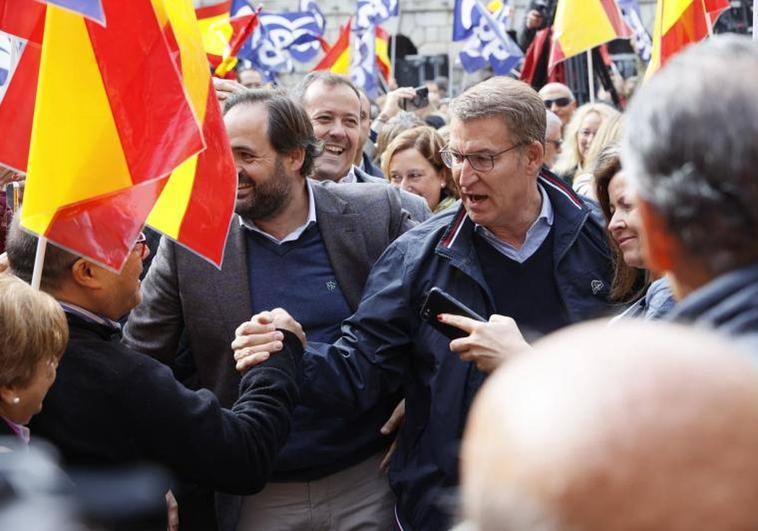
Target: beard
<point>266,199</point>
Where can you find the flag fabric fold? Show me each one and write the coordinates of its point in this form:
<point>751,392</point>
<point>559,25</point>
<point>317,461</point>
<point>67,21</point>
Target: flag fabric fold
<point>580,25</point>
<point>679,23</point>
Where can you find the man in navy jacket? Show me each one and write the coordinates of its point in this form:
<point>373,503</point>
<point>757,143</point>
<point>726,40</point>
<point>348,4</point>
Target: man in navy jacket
<point>521,244</point>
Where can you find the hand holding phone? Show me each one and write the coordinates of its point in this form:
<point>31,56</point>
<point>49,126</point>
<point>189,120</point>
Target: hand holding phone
<point>437,302</point>
<point>419,101</point>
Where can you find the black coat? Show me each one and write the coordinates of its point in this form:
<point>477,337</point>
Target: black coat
<point>112,406</point>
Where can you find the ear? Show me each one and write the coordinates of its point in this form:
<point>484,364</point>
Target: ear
<point>86,274</point>
<point>7,394</point>
<point>295,159</point>
<point>535,154</point>
<point>659,248</point>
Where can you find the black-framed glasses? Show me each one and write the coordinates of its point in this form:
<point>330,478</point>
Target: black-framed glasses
<point>478,161</point>
<point>560,102</point>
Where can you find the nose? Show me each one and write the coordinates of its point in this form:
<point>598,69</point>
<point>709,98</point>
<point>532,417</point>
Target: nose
<point>466,174</point>
<point>337,130</point>
<point>405,184</point>
<point>617,222</point>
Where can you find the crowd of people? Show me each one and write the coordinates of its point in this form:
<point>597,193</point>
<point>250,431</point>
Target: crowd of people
<point>300,386</point>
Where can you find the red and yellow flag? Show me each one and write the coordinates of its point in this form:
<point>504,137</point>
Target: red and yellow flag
<point>381,48</point>
<point>337,58</point>
<point>223,36</point>
<point>679,23</point>
<point>124,115</point>
<point>580,25</point>
<point>197,205</point>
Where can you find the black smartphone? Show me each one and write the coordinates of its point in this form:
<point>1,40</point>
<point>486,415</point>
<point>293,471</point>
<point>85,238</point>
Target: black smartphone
<point>419,101</point>
<point>437,302</point>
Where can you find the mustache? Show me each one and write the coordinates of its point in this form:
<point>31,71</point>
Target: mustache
<point>244,178</point>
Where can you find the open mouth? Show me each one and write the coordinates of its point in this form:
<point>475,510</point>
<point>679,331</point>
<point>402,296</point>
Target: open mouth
<point>334,150</point>
<point>475,199</point>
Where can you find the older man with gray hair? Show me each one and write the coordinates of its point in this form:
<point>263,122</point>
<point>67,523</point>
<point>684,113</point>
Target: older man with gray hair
<point>695,176</point>
<point>522,243</point>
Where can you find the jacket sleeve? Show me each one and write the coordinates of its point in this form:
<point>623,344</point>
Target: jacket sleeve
<point>228,450</point>
<point>370,359</point>
<point>155,325</point>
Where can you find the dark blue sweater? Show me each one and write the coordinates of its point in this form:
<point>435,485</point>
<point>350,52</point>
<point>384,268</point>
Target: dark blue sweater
<point>298,277</point>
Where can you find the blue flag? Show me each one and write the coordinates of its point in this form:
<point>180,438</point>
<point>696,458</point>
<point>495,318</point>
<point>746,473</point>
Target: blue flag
<point>488,43</point>
<point>641,40</point>
<point>363,70</point>
<point>466,17</point>
<point>311,6</point>
<point>373,12</point>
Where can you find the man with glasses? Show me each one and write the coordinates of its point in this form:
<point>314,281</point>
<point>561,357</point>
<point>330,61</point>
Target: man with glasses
<point>521,244</point>
<point>553,138</point>
<point>559,99</point>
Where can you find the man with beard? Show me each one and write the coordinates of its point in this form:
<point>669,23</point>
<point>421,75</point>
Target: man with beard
<point>333,105</point>
<point>297,244</point>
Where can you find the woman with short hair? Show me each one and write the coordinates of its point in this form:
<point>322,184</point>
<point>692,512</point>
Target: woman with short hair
<point>412,162</point>
<point>33,336</point>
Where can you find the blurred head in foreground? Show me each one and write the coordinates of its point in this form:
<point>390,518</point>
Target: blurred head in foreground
<point>658,432</point>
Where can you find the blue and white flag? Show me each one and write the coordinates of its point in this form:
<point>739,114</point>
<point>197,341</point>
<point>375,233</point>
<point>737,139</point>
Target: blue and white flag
<point>281,38</point>
<point>488,43</point>
<point>363,70</point>
<point>311,6</point>
<point>466,17</point>
<point>641,40</point>
<point>373,12</point>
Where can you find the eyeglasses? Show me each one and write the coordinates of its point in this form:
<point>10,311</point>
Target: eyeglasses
<point>478,161</point>
<point>557,143</point>
<point>140,246</point>
<point>560,102</point>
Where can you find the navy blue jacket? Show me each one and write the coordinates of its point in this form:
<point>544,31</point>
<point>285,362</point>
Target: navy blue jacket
<point>385,344</point>
<point>728,304</point>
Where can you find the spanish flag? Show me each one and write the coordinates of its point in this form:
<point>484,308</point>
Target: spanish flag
<point>337,58</point>
<point>223,36</point>
<point>120,116</point>
<point>679,23</point>
<point>382,53</point>
<point>580,25</point>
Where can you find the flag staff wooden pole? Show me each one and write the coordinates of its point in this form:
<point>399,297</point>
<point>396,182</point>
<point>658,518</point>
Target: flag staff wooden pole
<point>39,262</point>
<point>590,76</point>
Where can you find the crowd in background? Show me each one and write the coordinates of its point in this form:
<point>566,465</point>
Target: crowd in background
<point>301,386</point>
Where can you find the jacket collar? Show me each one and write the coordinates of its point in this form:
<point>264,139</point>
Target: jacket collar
<point>569,210</point>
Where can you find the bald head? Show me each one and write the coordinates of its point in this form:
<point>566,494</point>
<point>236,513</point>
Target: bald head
<point>559,99</point>
<point>635,427</point>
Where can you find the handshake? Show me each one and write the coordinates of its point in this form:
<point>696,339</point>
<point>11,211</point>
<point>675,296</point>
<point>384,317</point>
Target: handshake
<point>255,340</point>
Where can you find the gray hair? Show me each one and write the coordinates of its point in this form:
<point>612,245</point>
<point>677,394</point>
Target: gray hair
<point>21,248</point>
<point>515,101</point>
<point>690,150</point>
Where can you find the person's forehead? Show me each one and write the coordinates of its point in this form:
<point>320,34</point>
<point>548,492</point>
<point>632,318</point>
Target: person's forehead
<point>479,134</point>
<point>553,131</point>
<point>245,121</point>
<point>338,99</point>
<point>555,91</point>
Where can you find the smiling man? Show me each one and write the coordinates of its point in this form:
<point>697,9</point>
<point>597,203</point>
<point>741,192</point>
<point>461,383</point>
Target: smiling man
<point>521,244</point>
<point>333,105</point>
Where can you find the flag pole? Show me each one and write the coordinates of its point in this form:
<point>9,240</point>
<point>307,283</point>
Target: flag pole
<point>393,39</point>
<point>755,20</point>
<point>591,76</point>
<point>39,262</point>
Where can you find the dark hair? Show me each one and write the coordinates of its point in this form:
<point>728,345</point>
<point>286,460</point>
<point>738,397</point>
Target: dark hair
<point>690,149</point>
<point>628,282</point>
<point>288,125</point>
<point>21,247</point>
<point>327,78</point>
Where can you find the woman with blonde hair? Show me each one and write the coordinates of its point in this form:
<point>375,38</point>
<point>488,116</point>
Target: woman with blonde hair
<point>608,134</point>
<point>33,336</point>
<point>577,138</point>
<point>412,162</point>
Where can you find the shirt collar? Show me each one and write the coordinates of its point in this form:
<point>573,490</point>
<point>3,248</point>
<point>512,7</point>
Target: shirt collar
<point>89,316</point>
<point>351,177</point>
<point>295,234</point>
<point>536,234</point>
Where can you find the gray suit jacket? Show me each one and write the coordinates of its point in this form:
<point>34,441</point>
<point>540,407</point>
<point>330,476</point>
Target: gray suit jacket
<point>414,204</point>
<point>184,292</point>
